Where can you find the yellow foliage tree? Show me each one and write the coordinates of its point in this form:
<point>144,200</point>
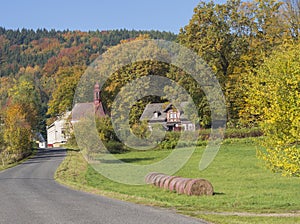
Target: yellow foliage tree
<point>273,100</point>
<point>233,38</point>
<point>17,134</point>
<point>62,97</point>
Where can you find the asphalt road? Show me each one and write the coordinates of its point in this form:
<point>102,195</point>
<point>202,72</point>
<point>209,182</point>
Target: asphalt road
<point>29,194</point>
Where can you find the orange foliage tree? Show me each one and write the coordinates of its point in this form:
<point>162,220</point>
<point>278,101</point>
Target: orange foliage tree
<point>17,134</point>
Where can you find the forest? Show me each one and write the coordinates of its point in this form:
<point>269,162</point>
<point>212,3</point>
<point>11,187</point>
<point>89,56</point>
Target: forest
<point>251,46</point>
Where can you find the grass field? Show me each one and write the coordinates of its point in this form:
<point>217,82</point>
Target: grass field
<point>245,191</point>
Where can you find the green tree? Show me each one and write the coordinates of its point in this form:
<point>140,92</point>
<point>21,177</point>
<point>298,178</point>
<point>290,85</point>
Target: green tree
<point>105,129</point>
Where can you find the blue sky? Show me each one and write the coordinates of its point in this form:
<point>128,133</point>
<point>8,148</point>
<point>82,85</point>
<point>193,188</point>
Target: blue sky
<point>167,15</point>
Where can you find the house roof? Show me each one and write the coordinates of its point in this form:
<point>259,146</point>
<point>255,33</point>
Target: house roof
<point>99,110</point>
<point>150,110</point>
<point>81,110</point>
<point>162,108</point>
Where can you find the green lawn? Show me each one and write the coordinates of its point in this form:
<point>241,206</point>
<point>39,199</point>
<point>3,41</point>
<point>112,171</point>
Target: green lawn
<point>240,181</point>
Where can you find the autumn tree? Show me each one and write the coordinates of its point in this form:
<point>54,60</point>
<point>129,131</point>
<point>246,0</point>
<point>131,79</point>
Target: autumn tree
<point>291,14</point>
<point>273,98</point>
<point>234,38</point>
<point>5,84</point>
<point>25,93</point>
<point>17,135</point>
<point>20,119</point>
<point>211,33</point>
<point>2,142</point>
<point>62,97</point>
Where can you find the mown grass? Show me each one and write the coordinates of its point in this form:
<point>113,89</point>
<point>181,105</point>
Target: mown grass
<point>240,181</point>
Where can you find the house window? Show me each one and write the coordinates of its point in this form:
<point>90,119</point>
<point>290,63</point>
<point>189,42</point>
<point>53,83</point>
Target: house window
<point>173,116</point>
<point>97,95</point>
<point>156,114</point>
<point>191,127</point>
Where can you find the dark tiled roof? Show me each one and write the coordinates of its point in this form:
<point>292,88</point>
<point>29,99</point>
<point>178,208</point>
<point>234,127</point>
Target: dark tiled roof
<point>81,110</point>
<point>150,109</point>
<point>162,109</point>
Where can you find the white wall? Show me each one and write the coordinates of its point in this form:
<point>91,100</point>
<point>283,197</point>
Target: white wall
<point>56,131</point>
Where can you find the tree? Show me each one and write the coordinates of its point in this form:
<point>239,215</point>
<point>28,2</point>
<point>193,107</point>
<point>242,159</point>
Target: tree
<point>233,38</point>
<point>2,142</point>
<point>273,99</point>
<point>214,34</point>
<point>105,129</point>
<point>17,133</point>
<point>62,97</point>
<point>292,17</point>
<point>21,118</point>
<point>5,84</point>
<point>25,93</point>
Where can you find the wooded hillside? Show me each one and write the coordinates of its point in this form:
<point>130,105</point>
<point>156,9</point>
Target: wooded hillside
<point>37,66</point>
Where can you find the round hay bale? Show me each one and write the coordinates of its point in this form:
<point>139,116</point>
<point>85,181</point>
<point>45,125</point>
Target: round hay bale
<point>173,182</point>
<point>167,181</point>
<point>157,179</point>
<point>149,177</point>
<point>180,185</point>
<point>162,181</point>
<point>178,182</point>
<point>199,187</point>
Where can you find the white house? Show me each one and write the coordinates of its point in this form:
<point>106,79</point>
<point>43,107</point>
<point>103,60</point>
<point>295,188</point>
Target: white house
<point>57,132</point>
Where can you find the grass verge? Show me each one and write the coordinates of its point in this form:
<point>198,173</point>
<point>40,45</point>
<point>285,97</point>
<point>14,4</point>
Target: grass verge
<point>240,181</point>
<point>33,153</point>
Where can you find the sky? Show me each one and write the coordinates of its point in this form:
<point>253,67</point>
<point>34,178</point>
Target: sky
<point>85,15</point>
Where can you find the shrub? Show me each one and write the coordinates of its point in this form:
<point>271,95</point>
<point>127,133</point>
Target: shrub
<point>115,147</point>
